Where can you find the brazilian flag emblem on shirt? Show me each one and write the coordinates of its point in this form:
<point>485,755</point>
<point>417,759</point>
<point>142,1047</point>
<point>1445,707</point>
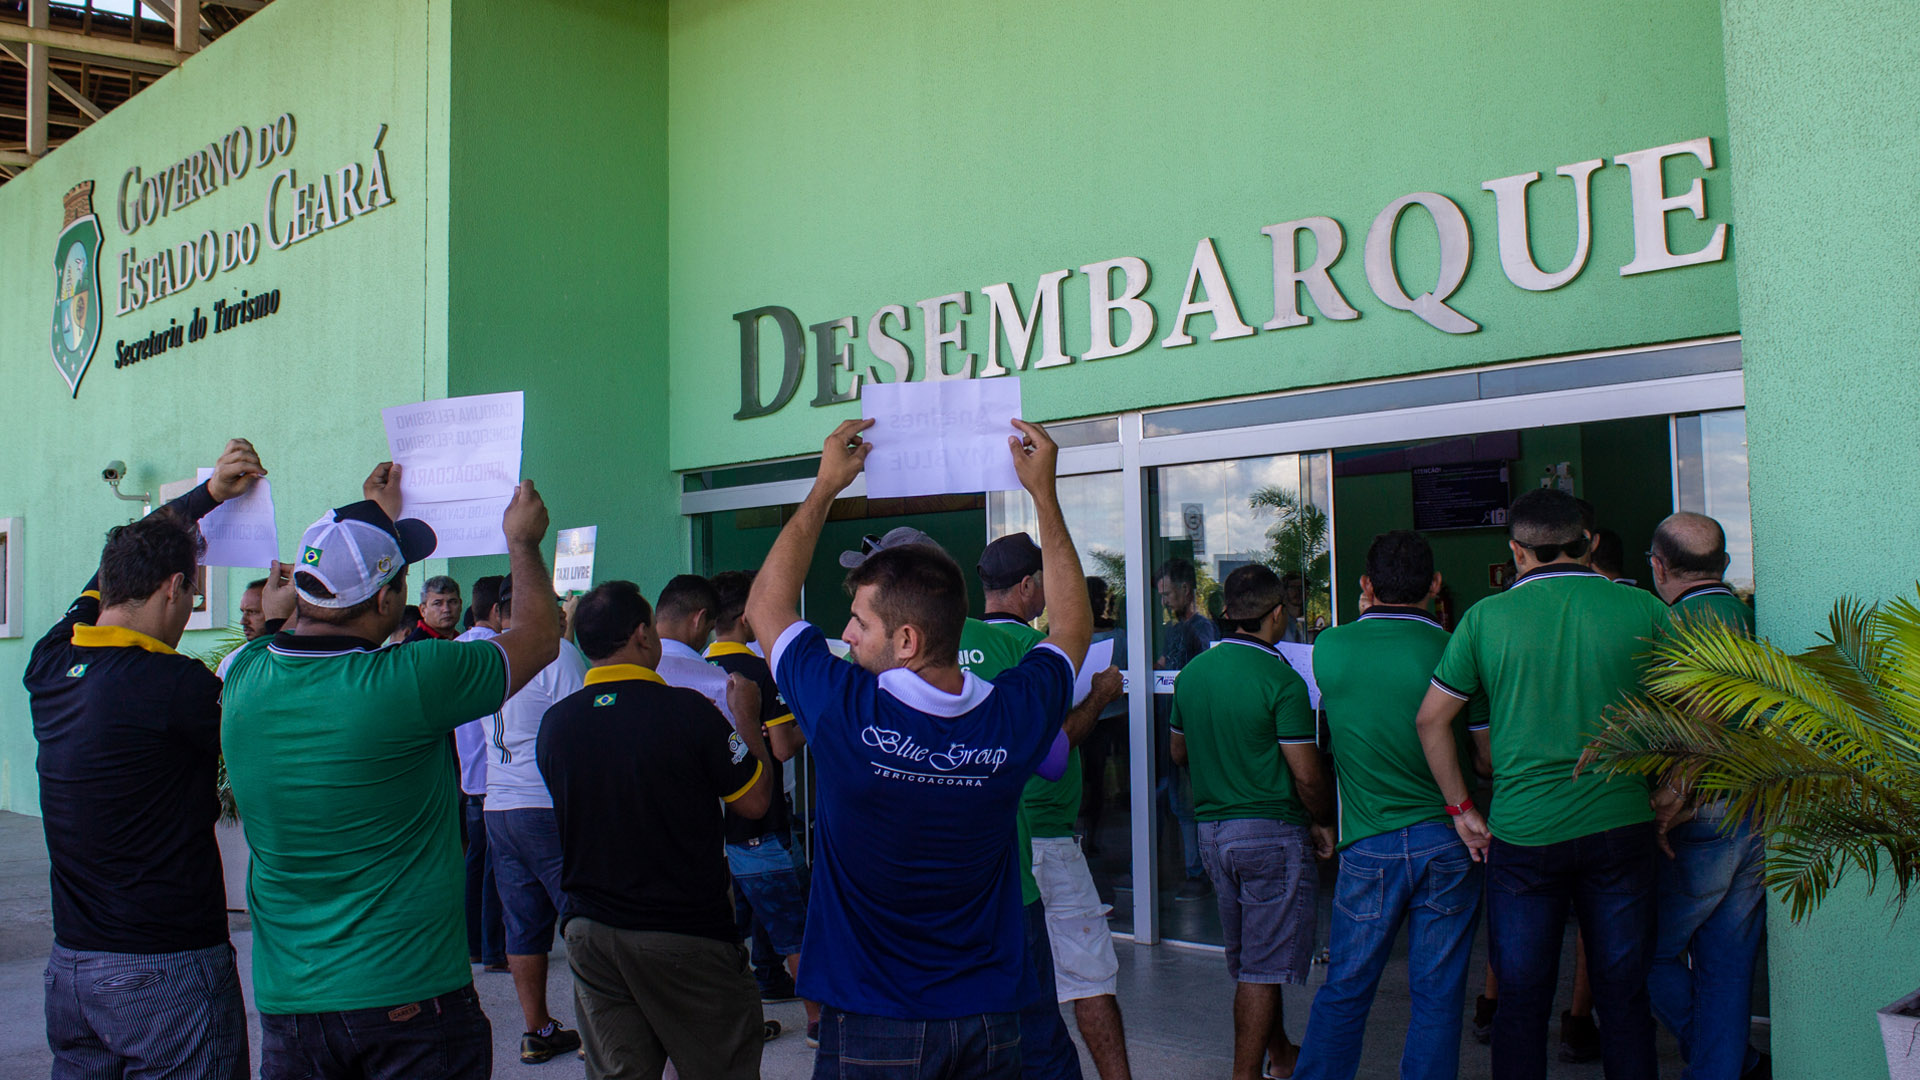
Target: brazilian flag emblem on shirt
<point>76,671</point>
<point>310,556</point>
<point>603,700</point>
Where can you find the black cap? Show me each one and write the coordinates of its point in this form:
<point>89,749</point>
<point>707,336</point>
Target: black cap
<point>1007,560</point>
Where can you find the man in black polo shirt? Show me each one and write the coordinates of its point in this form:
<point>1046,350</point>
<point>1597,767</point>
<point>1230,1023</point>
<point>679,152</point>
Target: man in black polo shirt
<point>142,978</point>
<point>634,767</point>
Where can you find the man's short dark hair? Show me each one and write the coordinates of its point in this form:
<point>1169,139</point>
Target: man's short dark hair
<point>486,595</point>
<point>140,558</point>
<point>919,586</point>
<point>256,583</point>
<point>605,619</point>
<point>310,585</point>
<point>1609,553</point>
<point>1548,521</point>
<point>1249,595</point>
<point>686,594</point>
<point>439,584</point>
<point>730,589</point>
<point>1400,566</point>
<point>1178,571</point>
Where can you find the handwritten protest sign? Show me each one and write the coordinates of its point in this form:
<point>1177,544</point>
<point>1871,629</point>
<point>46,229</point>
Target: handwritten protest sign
<point>940,438</point>
<point>573,560</point>
<point>240,532</point>
<point>459,462</point>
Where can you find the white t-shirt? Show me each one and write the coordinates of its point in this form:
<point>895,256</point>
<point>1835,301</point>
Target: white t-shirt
<point>470,738</point>
<point>681,666</point>
<point>513,776</point>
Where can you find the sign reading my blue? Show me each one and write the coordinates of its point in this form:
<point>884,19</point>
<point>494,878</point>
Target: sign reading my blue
<point>839,372</point>
<point>77,311</point>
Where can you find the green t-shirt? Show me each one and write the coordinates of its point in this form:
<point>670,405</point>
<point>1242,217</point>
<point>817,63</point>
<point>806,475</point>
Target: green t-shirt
<point>1373,674</point>
<point>1551,654</point>
<point>1236,704</point>
<point>1714,600</point>
<point>345,777</point>
<point>987,649</point>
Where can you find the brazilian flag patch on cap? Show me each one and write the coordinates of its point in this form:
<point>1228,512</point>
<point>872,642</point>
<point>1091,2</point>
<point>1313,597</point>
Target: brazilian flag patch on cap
<point>310,556</point>
<point>603,700</point>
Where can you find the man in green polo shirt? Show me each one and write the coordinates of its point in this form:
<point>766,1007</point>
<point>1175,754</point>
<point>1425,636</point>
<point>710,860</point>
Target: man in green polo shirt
<point>1713,912</point>
<point>340,761</point>
<point>1066,920</point>
<point>1551,654</point>
<point>1243,726</point>
<point>1400,859</point>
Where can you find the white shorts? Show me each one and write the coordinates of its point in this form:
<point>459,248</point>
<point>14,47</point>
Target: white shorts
<point>1084,965</point>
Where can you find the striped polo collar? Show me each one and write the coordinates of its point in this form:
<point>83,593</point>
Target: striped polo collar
<point>729,648</point>
<point>1003,618</point>
<point>1240,637</point>
<point>1397,611</point>
<point>606,673</point>
<point>1709,588</point>
<point>285,644</point>
<point>1556,570</point>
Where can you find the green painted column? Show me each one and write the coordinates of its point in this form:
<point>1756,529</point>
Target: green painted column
<point>1822,101</point>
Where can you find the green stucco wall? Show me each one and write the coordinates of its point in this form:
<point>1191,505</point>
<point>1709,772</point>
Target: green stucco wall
<point>557,261</point>
<point>834,156</point>
<point>1822,107</point>
<point>355,331</point>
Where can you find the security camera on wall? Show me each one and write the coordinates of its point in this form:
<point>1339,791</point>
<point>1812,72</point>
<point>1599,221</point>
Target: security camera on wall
<point>114,472</point>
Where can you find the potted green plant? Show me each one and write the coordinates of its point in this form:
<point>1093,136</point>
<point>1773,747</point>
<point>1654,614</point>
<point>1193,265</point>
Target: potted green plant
<point>1821,749</point>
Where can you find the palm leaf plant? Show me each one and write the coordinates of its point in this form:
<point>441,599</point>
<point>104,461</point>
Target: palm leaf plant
<point>1821,748</point>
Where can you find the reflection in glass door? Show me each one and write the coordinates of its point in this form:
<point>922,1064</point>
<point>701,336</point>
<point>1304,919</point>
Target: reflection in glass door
<point>1205,521</point>
<point>1093,505</point>
<point>1710,477</point>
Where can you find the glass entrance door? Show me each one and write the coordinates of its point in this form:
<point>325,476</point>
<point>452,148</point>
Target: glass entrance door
<point>1204,521</point>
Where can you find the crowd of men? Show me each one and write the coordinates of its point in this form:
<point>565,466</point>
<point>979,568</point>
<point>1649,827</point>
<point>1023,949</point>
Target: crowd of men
<point>421,798</point>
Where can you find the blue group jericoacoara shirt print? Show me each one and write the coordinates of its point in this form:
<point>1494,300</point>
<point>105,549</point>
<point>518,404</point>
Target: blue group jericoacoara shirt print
<point>915,912</point>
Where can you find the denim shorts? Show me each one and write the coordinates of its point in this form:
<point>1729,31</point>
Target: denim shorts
<point>769,878</point>
<point>1264,879</point>
<point>524,847</point>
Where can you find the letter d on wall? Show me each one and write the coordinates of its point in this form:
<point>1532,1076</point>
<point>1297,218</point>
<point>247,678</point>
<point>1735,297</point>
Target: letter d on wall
<point>793,358</point>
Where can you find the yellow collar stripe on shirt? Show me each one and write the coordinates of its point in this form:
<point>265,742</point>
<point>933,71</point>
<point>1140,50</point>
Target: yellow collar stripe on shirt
<point>117,637</point>
<point>621,673</point>
<point>729,648</point>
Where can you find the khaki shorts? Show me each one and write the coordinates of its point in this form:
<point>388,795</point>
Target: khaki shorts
<point>1084,964</point>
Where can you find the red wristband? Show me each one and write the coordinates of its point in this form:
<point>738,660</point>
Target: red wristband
<point>1466,804</point>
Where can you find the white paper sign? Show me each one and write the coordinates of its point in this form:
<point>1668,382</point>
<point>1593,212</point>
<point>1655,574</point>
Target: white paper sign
<point>573,560</point>
<point>1099,658</point>
<point>459,461</point>
<point>940,438</point>
<point>240,532</point>
<point>1301,657</point>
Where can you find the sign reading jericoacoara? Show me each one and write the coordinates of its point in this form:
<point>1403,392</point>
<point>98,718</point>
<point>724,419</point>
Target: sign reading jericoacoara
<point>1207,291</point>
<point>291,212</point>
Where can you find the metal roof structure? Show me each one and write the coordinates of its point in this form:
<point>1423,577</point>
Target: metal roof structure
<point>66,63</point>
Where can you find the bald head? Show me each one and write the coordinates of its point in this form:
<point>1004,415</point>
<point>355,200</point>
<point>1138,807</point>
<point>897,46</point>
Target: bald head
<point>1692,546</point>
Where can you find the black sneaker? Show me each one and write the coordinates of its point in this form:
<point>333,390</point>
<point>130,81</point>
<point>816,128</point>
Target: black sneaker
<point>1194,888</point>
<point>542,1045</point>
<point>1483,1019</point>
<point>778,990</point>
<point>1579,1039</point>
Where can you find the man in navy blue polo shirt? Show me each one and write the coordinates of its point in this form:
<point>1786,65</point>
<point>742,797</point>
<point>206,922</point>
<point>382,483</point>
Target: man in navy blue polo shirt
<point>916,914</point>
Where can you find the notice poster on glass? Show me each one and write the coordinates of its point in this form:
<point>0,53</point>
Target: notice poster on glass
<point>573,560</point>
<point>240,532</point>
<point>459,463</point>
<point>940,438</point>
<point>1301,658</point>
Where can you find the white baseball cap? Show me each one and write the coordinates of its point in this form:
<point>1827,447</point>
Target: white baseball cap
<point>354,551</point>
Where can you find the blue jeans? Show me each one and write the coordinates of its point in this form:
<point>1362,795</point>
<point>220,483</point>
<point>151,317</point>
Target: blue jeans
<point>1046,1050</point>
<point>767,875</point>
<point>858,1047</point>
<point>486,934</point>
<point>1425,876</point>
<point>1607,880</point>
<point>524,849</point>
<point>146,1014</point>
<point>1712,916</point>
<point>442,1038</point>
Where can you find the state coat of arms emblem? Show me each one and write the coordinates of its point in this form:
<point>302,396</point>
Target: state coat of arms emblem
<point>77,310</point>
